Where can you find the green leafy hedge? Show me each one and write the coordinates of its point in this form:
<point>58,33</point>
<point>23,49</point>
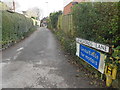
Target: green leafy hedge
<point>97,22</point>
<point>14,27</point>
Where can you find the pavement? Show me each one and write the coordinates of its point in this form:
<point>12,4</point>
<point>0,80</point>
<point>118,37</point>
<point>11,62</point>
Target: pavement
<point>39,62</point>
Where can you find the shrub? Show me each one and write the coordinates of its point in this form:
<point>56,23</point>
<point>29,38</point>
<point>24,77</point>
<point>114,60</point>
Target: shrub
<point>14,27</point>
<point>97,22</point>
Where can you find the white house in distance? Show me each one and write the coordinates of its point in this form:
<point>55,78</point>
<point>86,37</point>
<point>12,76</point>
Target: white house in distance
<point>34,15</point>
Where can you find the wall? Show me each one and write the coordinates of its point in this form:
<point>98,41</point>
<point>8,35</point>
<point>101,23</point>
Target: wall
<point>67,9</point>
<point>36,22</point>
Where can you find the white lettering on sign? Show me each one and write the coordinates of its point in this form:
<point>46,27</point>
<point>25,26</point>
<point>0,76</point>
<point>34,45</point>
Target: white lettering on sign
<point>92,57</point>
<point>98,46</point>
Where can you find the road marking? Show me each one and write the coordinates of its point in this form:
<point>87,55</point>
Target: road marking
<point>16,55</point>
<point>8,59</point>
<point>20,49</point>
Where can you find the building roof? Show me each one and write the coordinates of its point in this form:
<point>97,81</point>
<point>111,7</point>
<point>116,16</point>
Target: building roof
<point>70,1</point>
<point>78,1</point>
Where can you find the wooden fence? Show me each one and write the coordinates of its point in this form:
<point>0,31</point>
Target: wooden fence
<point>65,23</point>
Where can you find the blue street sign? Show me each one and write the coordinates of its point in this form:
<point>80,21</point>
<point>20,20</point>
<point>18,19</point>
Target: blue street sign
<point>90,56</point>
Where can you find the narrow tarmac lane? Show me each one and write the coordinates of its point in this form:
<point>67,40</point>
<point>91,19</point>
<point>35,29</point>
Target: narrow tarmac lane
<point>38,62</point>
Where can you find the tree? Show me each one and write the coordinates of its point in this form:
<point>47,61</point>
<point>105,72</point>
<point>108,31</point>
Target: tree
<point>54,18</point>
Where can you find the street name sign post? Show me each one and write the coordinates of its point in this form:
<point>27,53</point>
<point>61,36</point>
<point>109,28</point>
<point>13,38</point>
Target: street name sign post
<point>97,46</point>
<point>91,56</point>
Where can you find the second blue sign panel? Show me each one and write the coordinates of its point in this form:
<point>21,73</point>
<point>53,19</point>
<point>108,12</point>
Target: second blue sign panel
<point>90,56</point>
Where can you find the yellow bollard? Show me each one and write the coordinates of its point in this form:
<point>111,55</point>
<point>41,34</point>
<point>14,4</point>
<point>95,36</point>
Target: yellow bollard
<point>111,73</point>
<point>114,72</point>
<point>108,73</point>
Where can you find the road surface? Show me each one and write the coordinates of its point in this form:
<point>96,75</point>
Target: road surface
<point>39,62</point>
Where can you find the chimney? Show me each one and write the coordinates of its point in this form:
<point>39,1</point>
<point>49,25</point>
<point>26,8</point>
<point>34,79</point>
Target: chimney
<point>14,6</point>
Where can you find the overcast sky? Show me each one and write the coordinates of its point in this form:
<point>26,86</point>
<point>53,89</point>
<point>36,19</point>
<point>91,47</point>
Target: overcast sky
<point>46,6</point>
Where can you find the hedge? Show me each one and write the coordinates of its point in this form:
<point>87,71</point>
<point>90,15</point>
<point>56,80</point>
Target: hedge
<point>14,27</point>
<point>97,22</point>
